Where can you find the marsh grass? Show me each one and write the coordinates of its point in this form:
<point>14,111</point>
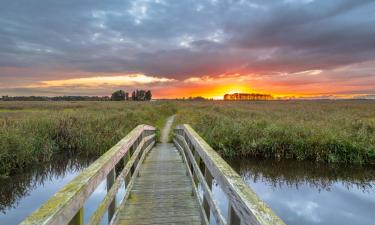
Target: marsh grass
<point>329,131</point>
<point>32,132</point>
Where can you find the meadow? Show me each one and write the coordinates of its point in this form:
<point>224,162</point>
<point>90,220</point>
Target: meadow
<point>324,131</point>
<point>327,131</point>
<point>33,132</point>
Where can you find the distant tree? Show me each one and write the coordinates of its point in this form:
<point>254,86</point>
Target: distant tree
<point>118,95</point>
<point>196,98</point>
<point>148,95</point>
<point>141,95</point>
<point>55,98</point>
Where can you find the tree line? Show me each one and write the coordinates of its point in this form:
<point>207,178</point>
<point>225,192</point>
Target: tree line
<point>120,95</point>
<point>137,95</point>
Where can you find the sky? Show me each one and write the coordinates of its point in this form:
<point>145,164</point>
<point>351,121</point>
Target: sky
<point>302,48</point>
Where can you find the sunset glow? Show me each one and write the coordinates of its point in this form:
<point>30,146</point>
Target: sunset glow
<point>124,80</point>
<point>262,47</point>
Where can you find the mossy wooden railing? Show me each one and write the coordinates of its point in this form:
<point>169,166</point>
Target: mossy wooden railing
<point>67,205</point>
<point>207,167</point>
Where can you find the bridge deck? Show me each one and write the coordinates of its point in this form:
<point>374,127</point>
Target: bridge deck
<point>162,194</point>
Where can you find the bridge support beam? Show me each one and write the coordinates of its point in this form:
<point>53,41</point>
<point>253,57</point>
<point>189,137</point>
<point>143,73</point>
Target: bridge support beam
<point>111,177</point>
<point>232,217</point>
<point>129,175</point>
<point>206,206</point>
<point>78,218</point>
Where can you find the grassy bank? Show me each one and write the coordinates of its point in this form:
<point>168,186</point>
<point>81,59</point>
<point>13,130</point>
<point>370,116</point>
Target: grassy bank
<point>32,132</point>
<point>329,131</point>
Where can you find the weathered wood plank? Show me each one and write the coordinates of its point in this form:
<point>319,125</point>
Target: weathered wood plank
<point>245,203</point>
<point>97,215</point>
<point>195,189</point>
<point>162,193</point>
<point>199,176</point>
<point>65,204</point>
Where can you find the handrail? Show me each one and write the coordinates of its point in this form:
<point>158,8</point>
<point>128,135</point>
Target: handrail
<point>245,207</point>
<point>190,161</point>
<point>66,206</point>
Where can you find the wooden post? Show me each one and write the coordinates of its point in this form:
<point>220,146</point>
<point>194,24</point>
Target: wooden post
<point>208,177</point>
<point>129,175</point>
<point>194,180</point>
<point>197,160</point>
<point>232,218</point>
<point>111,177</point>
<point>78,218</point>
<point>138,160</point>
<point>132,149</point>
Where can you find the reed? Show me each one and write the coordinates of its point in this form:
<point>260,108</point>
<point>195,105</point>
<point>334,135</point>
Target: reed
<point>328,131</point>
<point>32,132</point>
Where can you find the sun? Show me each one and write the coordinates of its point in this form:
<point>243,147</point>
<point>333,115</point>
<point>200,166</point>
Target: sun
<point>231,89</point>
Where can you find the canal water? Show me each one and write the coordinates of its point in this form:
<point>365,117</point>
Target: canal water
<point>306,193</point>
<point>301,193</point>
<point>23,192</point>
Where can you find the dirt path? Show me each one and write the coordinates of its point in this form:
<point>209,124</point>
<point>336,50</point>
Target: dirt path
<point>166,129</point>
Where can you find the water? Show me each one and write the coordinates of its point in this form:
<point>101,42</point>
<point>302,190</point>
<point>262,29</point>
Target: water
<point>24,192</point>
<point>304,193</point>
<point>301,193</point>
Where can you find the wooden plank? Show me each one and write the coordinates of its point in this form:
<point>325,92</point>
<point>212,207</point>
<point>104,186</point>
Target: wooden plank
<point>208,177</point>
<point>78,218</point>
<point>162,194</point>
<point>233,218</point>
<point>136,171</point>
<point>112,206</point>
<point>206,189</point>
<point>97,215</point>
<point>195,189</point>
<point>245,203</point>
<point>65,204</point>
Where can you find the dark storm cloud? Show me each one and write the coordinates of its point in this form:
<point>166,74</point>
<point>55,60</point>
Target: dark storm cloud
<point>185,38</point>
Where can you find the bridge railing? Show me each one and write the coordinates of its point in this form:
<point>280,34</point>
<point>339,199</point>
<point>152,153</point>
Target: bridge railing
<point>67,205</point>
<point>206,167</point>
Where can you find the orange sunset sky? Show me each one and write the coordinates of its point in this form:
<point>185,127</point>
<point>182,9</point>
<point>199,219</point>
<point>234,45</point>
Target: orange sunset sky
<point>290,48</point>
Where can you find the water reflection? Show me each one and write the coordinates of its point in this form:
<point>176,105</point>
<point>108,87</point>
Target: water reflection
<point>25,191</point>
<point>308,193</point>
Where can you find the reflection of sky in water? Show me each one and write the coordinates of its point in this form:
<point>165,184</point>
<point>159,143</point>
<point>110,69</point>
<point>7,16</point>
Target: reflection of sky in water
<point>43,192</point>
<point>300,194</point>
<point>309,205</point>
<point>94,200</point>
<point>97,197</point>
<point>34,199</point>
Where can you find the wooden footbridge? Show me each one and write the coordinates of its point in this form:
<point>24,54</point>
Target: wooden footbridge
<point>164,183</point>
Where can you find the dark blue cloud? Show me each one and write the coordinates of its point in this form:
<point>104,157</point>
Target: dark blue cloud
<point>186,38</point>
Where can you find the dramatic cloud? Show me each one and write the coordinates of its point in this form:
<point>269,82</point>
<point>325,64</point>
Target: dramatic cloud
<point>285,47</point>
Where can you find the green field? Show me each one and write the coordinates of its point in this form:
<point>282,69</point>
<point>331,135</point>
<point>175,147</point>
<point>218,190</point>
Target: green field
<point>31,132</point>
<point>330,131</point>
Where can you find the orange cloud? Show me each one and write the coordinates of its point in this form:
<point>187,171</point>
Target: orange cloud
<point>97,81</point>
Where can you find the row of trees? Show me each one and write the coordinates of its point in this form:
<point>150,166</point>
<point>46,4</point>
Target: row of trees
<point>56,98</point>
<point>120,95</point>
<point>247,96</point>
<point>137,95</point>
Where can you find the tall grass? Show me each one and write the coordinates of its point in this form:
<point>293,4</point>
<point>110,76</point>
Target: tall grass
<point>329,131</point>
<point>32,132</point>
